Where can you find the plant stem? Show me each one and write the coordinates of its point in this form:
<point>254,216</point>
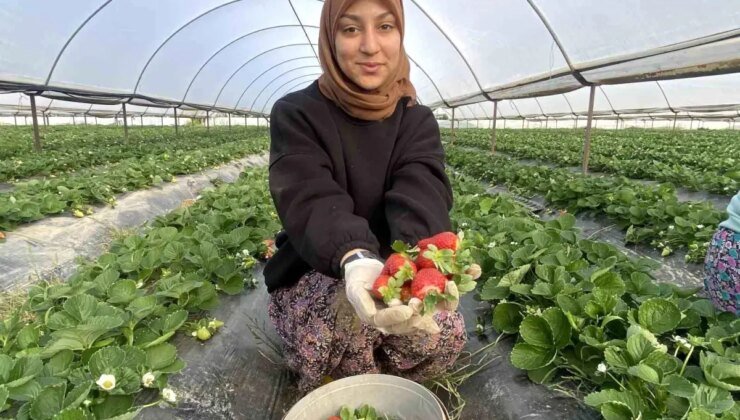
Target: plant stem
<point>686,362</point>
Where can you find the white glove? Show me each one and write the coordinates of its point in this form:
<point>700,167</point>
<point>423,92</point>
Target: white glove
<point>359,276</point>
<point>444,304</point>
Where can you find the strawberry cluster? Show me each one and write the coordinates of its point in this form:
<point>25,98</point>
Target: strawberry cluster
<point>422,272</point>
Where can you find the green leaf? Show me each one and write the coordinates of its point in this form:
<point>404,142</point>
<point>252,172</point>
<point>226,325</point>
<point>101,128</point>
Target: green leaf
<point>679,386</point>
<point>659,315</point>
<point>515,276</point>
<point>48,402</point>
<point>700,414</point>
<point>491,290</point>
<point>616,411</point>
<point>568,304</point>
<point>123,291</point>
<point>711,399</point>
<point>645,372</point>
<point>74,414</point>
<point>174,321</point>
<point>536,331</point>
<point>113,405</point>
<point>559,326</point>
<point>626,398</point>
<point>4,394</point>
<point>529,357</point>
<point>507,317</point>
<point>106,360</point>
<point>639,347</point>
<point>610,283</point>
<point>81,307</point>
<point>160,356</point>
<point>76,396</point>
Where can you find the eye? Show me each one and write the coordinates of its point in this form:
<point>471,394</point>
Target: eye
<point>350,30</point>
<point>386,27</point>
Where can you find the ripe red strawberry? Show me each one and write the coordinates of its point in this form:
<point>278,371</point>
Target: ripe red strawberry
<point>406,294</point>
<point>381,281</point>
<point>395,262</point>
<point>423,262</point>
<point>444,240</point>
<point>427,280</point>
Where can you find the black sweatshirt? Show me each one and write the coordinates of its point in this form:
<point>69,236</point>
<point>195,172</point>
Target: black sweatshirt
<point>341,183</point>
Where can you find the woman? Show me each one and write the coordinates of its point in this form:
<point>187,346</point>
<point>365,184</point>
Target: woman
<point>356,164</point>
<point>722,264</point>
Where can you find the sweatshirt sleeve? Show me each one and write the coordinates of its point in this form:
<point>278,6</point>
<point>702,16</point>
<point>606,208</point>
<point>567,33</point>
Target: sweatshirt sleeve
<point>316,212</point>
<point>420,196</point>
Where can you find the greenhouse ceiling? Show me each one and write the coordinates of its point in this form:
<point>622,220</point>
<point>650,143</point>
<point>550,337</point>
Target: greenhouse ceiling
<point>241,56</point>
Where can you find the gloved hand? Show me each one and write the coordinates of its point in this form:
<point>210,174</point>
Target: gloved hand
<point>359,276</point>
<point>444,304</point>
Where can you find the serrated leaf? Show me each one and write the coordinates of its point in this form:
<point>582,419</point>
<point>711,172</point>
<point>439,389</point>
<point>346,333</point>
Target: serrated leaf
<point>160,356</point>
<point>529,357</point>
<point>559,326</point>
<point>645,372</point>
<point>507,317</point>
<point>679,386</point>
<point>536,331</point>
<point>659,315</point>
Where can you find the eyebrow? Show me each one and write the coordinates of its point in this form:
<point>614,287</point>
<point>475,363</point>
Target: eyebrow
<point>358,18</point>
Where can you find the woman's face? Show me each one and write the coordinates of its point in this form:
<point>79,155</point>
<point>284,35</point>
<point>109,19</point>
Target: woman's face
<point>368,43</point>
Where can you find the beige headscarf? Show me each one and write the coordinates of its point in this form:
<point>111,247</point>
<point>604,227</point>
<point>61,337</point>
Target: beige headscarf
<point>335,85</point>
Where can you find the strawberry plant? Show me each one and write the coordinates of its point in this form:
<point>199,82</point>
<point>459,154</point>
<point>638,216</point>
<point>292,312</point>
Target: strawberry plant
<point>596,322</point>
<point>648,214</point>
<point>696,160</point>
<point>84,348</point>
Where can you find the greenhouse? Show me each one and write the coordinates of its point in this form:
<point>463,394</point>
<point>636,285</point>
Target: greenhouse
<point>166,166</point>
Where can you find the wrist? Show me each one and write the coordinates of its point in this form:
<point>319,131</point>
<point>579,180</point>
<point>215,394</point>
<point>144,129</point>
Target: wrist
<point>349,254</point>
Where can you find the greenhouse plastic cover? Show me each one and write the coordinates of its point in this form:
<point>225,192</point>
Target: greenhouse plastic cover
<point>243,55</point>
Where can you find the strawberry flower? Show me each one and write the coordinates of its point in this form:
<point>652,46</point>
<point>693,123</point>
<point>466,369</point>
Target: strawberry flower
<point>106,382</point>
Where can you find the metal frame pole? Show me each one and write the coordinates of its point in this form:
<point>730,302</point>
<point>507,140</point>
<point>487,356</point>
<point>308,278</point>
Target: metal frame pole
<point>493,130</point>
<point>245,121</point>
<point>208,121</point>
<point>125,122</point>
<point>141,120</point>
<point>691,124</point>
<point>675,117</point>
<point>15,120</point>
<point>229,121</point>
<point>84,116</point>
<point>575,125</point>
<point>36,137</point>
<point>587,139</point>
<point>74,121</point>
<point>176,128</point>
<point>452,126</point>
<point>523,119</point>
<point>161,120</point>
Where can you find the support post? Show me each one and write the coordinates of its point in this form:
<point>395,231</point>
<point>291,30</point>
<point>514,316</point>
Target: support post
<point>493,130</point>
<point>452,126</point>
<point>208,121</point>
<point>125,122</point>
<point>176,129</point>
<point>36,138</point>
<point>675,117</point>
<point>575,125</point>
<point>229,121</point>
<point>245,121</point>
<point>96,120</point>
<point>15,120</point>
<point>161,120</point>
<point>258,121</point>
<point>141,120</point>
<point>522,122</point>
<point>74,120</point>
<point>85,118</point>
<point>547,120</point>
<point>587,140</point>
<point>652,123</point>
<point>556,124</point>
<point>691,124</point>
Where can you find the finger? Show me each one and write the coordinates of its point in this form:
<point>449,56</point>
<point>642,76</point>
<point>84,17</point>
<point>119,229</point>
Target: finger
<point>394,315</point>
<point>416,305</point>
<point>428,325</point>
<point>407,327</point>
<point>451,289</point>
<point>364,305</point>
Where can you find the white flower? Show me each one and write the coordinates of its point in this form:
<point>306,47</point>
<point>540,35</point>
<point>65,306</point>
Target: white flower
<point>492,245</point>
<point>169,395</point>
<point>514,243</point>
<point>682,341</point>
<point>194,333</point>
<point>148,379</point>
<point>700,226</point>
<point>671,227</point>
<point>464,224</point>
<point>139,285</point>
<point>601,368</point>
<point>107,382</point>
<point>87,403</point>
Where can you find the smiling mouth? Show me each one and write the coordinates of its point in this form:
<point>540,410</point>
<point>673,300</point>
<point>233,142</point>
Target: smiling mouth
<point>370,67</point>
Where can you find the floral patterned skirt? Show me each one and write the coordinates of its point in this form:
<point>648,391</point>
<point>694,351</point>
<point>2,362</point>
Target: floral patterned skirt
<point>324,338</point>
<point>722,267</point>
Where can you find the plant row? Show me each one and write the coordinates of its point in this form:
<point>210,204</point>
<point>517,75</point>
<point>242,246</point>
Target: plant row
<point>680,158</point>
<point>595,323</point>
<point>83,349</point>
<point>67,149</point>
<point>648,214</point>
<point>35,199</point>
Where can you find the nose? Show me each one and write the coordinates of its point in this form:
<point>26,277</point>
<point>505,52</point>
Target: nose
<point>369,44</point>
